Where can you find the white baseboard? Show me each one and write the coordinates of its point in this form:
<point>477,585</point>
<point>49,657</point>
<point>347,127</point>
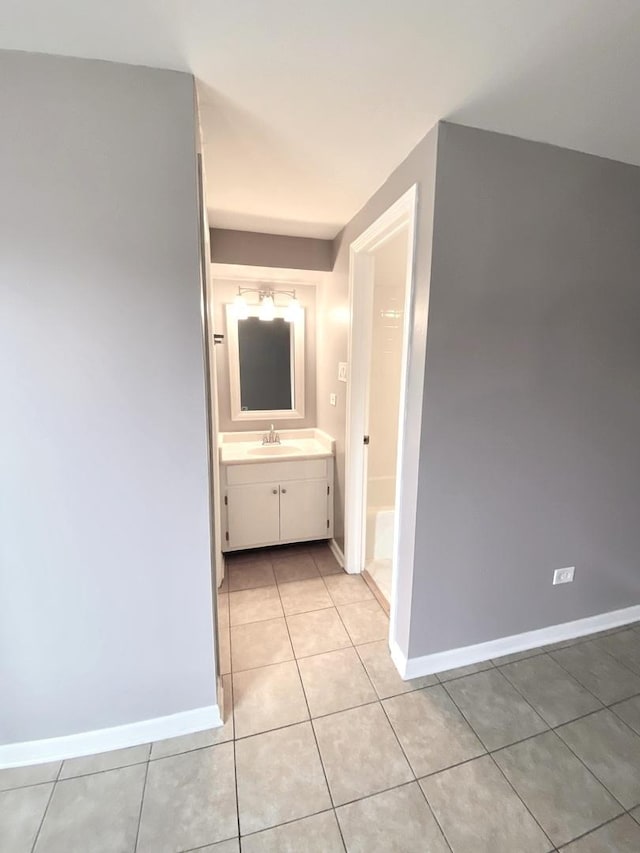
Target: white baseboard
<point>337,552</point>
<point>104,740</point>
<point>440,661</point>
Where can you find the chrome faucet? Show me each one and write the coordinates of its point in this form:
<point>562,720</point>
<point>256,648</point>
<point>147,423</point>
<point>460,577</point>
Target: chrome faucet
<point>271,437</point>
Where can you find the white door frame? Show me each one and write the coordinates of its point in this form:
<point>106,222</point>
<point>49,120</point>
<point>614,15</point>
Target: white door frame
<point>402,214</point>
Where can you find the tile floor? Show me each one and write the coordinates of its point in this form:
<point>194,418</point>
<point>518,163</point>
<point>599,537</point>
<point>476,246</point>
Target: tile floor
<point>326,749</point>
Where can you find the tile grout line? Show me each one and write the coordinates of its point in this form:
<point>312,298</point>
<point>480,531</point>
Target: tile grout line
<point>144,791</point>
<point>575,677</point>
<point>554,730</point>
<point>415,777</point>
<point>233,715</point>
<point>595,829</point>
<point>590,771</point>
<point>550,726</point>
<point>312,727</point>
<point>635,674</point>
<point>46,808</point>
<point>255,832</point>
<point>533,817</point>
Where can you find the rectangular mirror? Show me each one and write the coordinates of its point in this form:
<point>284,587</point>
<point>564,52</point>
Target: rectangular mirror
<point>266,366</point>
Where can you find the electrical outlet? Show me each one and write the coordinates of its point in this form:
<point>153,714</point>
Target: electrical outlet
<point>563,575</point>
<point>342,371</point>
<point>333,399</point>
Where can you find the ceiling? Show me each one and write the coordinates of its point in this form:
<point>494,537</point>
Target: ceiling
<point>308,106</point>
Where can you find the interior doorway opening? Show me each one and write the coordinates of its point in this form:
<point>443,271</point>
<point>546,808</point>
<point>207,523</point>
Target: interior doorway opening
<point>386,363</point>
<point>387,301</point>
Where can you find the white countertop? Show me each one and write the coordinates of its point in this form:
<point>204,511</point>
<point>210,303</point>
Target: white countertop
<point>235,448</point>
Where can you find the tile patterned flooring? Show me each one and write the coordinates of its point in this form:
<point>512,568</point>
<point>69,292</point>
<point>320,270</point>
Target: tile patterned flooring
<point>326,749</point>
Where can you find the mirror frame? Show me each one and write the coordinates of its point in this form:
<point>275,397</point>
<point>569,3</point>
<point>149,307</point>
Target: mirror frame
<point>297,366</point>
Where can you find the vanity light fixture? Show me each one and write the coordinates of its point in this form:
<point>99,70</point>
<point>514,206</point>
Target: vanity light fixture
<point>240,307</point>
<point>267,305</point>
<point>292,311</point>
<point>267,309</point>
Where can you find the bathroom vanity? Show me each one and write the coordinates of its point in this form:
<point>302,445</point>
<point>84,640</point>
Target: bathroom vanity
<point>276,493</point>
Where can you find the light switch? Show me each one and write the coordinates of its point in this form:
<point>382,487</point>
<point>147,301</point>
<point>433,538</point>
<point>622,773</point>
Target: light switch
<point>342,371</point>
<point>333,399</point>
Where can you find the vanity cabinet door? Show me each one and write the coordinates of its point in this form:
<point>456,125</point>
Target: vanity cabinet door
<point>303,510</point>
<point>253,514</point>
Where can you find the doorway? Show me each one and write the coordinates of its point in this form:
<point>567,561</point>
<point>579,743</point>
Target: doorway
<point>384,401</point>
<point>383,409</point>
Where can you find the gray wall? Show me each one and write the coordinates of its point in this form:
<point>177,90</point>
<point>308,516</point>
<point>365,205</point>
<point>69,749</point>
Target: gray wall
<point>105,587</point>
<point>529,458</point>
<point>270,250</point>
<point>224,292</point>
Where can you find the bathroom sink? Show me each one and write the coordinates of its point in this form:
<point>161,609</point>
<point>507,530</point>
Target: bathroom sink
<point>274,450</point>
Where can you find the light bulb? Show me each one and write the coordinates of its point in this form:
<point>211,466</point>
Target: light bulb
<point>240,307</point>
<point>267,310</point>
<point>292,311</point>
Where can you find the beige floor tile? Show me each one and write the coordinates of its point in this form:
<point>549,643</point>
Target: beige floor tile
<point>611,750</point>
<point>104,761</point>
<point>21,777</point>
<point>629,711</point>
<point>259,644</point>
<point>316,834</point>
<point>189,801</point>
<point>199,740</point>
<point>251,576</point>
<point>232,845</point>
<point>563,796</point>
<point>620,836</point>
<point>254,605</point>
<point>432,731</point>
<point>280,778</point>
<point>316,632</point>
<point>382,672</point>
<point>392,822</point>
<point>325,561</point>
<point>624,646</point>
<point>549,688</point>
<point>360,753</point>
<point>516,656</point>
<point>347,589</point>
<point>365,621</point>
<point>97,813</point>
<point>303,596</point>
<point>335,681</point>
<point>494,708</point>
<point>296,567</point>
<point>479,812</point>
<point>224,650</point>
<point>21,811</point>
<point>223,610</point>
<point>462,671</point>
<point>598,671</point>
<point>635,814</point>
<point>267,698</point>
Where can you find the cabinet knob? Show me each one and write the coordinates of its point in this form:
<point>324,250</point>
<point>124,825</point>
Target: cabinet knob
<point>284,491</point>
<point>274,492</point>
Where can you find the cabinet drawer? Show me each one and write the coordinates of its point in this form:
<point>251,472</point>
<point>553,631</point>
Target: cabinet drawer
<point>269,472</point>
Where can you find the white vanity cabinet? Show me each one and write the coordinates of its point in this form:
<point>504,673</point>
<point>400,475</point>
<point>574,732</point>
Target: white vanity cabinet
<point>271,503</point>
